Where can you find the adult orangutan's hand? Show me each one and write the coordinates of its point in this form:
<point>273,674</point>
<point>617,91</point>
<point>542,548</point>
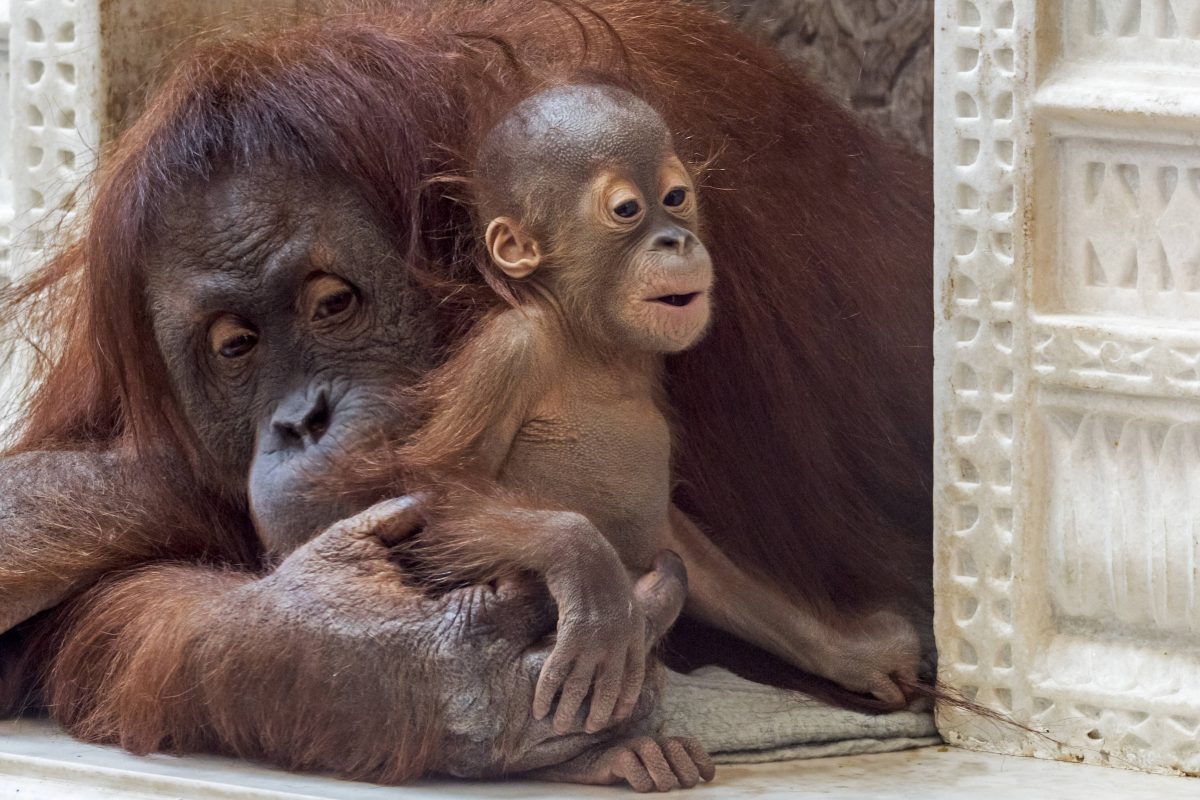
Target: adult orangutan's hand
<point>331,662</point>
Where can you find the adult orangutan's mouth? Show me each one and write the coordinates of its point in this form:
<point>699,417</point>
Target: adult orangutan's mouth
<point>677,300</point>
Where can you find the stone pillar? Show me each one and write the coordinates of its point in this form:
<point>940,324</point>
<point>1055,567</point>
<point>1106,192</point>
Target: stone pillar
<point>1067,172</point>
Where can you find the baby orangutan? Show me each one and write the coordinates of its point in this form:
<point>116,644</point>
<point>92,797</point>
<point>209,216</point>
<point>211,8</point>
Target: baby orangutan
<point>593,242</point>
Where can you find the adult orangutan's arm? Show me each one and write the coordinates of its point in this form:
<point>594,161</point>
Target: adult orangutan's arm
<point>328,663</point>
<point>67,517</point>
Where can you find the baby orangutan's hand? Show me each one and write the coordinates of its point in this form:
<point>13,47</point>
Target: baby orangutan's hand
<point>600,648</point>
<point>607,649</point>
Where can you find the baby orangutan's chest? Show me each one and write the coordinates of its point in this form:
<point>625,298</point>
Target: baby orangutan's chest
<point>609,459</point>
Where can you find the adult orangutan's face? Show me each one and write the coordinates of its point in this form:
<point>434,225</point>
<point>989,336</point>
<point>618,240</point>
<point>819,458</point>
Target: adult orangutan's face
<point>284,315</point>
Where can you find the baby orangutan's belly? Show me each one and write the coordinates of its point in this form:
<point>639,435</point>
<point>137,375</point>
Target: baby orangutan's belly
<point>620,482</point>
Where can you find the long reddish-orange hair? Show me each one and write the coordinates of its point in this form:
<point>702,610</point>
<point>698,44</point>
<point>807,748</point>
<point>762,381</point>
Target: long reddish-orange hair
<point>803,420</point>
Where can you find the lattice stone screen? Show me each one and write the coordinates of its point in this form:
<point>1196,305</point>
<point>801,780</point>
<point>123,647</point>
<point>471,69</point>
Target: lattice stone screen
<point>78,70</point>
<point>1067,159</point>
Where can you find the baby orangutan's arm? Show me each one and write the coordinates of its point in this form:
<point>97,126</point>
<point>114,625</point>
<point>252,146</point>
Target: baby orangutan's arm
<point>874,654</point>
<point>478,400</point>
<point>600,645</point>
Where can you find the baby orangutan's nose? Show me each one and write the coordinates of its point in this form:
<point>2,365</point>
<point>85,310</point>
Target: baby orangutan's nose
<point>676,241</point>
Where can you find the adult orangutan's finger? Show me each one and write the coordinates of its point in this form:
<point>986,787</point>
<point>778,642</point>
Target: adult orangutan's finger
<point>521,610</point>
<point>389,521</point>
<point>397,519</point>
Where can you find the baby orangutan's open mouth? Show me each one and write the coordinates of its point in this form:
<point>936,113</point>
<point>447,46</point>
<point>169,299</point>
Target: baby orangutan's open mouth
<point>677,300</point>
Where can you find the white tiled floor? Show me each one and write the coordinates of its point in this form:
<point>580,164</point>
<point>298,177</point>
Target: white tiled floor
<point>37,763</point>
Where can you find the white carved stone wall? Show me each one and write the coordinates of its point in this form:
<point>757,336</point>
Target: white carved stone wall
<point>79,71</point>
<point>52,121</point>
<point>1067,168</point>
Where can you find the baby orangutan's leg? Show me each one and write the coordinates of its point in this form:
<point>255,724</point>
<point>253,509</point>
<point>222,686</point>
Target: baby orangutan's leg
<point>874,654</point>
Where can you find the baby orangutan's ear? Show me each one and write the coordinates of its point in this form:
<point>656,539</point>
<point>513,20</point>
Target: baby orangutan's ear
<point>512,248</point>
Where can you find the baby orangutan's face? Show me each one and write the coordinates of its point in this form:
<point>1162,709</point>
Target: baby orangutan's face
<point>653,273</point>
<point>608,219</point>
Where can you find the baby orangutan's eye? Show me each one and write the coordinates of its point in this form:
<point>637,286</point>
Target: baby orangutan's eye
<point>675,198</point>
<point>330,297</point>
<point>620,202</point>
<point>628,210</point>
<point>231,338</point>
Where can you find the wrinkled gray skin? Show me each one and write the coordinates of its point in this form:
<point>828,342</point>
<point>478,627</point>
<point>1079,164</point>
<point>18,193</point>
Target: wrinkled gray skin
<point>478,652</point>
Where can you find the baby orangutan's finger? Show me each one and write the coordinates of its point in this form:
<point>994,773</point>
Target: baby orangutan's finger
<point>574,691</point>
<point>550,681</point>
<point>629,767</point>
<point>631,688</point>
<point>681,762</point>
<point>605,692</point>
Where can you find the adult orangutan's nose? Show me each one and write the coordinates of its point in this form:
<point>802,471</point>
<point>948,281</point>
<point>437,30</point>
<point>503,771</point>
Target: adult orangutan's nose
<point>301,419</point>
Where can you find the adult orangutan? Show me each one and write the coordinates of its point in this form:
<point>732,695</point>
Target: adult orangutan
<point>264,170</point>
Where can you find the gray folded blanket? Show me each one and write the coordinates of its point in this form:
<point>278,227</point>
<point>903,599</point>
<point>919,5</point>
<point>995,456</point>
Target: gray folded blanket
<point>741,722</point>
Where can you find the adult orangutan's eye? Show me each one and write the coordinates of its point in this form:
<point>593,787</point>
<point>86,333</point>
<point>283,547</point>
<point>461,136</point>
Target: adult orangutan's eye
<point>330,297</point>
<point>675,198</point>
<point>229,337</point>
<point>334,304</point>
<point>239,346</point>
